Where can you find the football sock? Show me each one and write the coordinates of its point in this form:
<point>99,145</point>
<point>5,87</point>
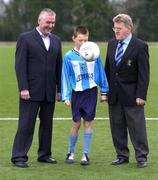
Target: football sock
<point>87,142</point>
<point>72,142</point>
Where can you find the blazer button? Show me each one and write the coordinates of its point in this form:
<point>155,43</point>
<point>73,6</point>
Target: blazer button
<point>116,74</point>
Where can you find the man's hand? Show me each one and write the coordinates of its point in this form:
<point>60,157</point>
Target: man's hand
<point>140,102</point>
<point>103,98</point>
<point>24,94</point>
<point>67,102</point>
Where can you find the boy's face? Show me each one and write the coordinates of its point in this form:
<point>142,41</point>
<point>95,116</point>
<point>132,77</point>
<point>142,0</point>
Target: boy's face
<point>79,40</point>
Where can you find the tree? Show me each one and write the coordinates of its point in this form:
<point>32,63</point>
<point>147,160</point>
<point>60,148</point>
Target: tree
<point>144,14</point>
<point>96,15</point>
<point>21,15</point>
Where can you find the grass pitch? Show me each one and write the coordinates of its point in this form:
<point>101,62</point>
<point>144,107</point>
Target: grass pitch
<point>102,151</point>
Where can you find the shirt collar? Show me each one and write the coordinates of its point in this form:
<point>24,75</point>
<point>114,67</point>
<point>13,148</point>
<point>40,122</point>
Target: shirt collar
<point>127,39</point>
<point>41,34</point>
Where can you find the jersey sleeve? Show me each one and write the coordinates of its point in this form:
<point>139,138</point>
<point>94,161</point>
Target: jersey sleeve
<point>65,82</point>
<point>103,83</point>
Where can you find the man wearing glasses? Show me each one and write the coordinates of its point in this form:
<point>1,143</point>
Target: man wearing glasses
<point>127,68</point>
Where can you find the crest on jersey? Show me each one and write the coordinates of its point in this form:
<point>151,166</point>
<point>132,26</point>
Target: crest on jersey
<point>83,67</point>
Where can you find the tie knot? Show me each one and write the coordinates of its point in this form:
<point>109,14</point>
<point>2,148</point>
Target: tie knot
<point>121,43</point>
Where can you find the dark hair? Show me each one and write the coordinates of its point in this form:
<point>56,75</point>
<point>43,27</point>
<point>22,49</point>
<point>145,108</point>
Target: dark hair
<point>80,30</point>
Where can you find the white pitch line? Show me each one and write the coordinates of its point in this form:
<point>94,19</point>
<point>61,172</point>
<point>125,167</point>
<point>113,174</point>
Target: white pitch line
<point>68,118</point>
<point>57,118</point>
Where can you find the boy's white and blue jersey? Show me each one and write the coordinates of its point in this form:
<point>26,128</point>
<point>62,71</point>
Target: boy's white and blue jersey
<point>79,75</point>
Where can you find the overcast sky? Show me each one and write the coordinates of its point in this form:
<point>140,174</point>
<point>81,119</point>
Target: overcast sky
<point>6,1</point>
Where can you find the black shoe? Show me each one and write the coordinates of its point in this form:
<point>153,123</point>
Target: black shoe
<point>120,161</point>
<point>20,164</point>
<point>48,160</point>
<point>142,164</point>
<point>70,158</point>
<point>84,160</point>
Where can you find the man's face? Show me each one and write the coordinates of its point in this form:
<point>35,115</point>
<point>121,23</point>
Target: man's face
<point>79,40</point>
<point>121,31</point>
<point>46,23</point>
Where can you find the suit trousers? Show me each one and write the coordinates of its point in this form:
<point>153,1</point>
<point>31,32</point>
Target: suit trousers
<point>28,111</point>
<point>124,120</point>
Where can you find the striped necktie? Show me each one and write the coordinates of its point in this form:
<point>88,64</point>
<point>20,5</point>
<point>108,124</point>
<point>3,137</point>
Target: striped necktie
<point>119,52</point>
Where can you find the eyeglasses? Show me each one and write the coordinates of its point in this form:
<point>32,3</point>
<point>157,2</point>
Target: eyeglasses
<point>116,29</point>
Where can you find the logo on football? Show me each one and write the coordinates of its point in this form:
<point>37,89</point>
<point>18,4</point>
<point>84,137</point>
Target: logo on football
<point>89,51</point>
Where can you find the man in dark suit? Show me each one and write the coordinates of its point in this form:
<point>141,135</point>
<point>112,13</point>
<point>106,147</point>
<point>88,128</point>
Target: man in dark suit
<point>38,70</point>
<point>127,69</point>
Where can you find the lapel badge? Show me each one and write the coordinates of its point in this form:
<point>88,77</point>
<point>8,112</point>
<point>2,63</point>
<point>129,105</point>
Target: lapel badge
<point>129,62</point>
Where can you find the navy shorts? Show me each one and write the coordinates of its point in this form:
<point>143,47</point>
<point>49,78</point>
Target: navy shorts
<point>84,104</point>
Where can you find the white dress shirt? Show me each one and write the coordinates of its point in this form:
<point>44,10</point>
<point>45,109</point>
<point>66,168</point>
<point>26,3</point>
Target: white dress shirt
<point>45,39</point>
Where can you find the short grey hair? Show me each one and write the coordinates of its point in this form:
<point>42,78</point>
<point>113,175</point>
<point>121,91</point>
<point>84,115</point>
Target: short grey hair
<point>48,11</point>
<point>124,18</point>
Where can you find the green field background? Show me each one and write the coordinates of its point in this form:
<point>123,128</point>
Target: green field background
<point>9,91</point>
<point>102,151</point>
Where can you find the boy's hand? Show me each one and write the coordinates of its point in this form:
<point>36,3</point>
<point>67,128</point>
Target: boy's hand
<point>58,97</point>
<point>103,98</point>
<point>67,102</point>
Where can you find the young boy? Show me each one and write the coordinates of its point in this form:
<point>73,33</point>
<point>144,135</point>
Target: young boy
<point>79,89</point>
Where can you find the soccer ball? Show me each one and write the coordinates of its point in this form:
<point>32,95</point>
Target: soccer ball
<point>89,51</point>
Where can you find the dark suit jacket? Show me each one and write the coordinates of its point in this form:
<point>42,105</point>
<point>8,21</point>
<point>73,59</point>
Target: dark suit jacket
<point>37,69</point>
<point>129,80</point>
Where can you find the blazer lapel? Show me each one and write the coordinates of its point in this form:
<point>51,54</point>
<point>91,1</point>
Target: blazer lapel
<point>129,49</point>
<point>114,46</point>
<point>39,39</point>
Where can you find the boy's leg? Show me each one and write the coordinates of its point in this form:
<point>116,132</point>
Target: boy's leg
<point>74,136</point>
<point>87,136</point>
<point>86,142</point>
<point>72,141</point>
